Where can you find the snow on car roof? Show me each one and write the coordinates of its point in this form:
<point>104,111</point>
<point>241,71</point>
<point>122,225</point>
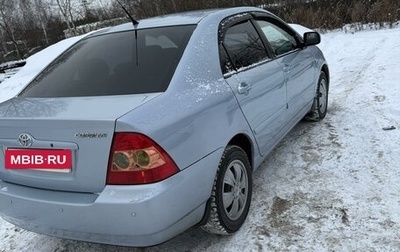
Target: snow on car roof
<point>10,87</point>
<point>182,18</point>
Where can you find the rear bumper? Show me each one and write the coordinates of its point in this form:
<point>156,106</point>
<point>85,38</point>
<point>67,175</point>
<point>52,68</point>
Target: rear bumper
<point>142,215</point>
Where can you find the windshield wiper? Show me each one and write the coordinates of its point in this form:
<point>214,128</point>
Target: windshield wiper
<point>135,24</point>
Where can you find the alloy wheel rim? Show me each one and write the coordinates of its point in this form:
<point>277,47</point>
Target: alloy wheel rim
<point>235,189</point>
<point>322,101</point>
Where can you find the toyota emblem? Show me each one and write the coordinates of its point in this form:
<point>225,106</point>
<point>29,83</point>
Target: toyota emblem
<point>25,140</point>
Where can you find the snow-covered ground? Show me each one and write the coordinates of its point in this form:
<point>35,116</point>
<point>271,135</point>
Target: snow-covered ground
<point>329,186</point>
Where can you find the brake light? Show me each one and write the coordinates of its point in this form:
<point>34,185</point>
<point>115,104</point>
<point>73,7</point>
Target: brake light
<point>136,159</point>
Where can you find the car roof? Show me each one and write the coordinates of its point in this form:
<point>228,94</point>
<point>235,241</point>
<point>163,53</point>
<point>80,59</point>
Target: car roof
<point>182,18</point>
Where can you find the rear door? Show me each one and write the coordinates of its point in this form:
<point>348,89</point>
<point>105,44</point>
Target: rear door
<point>256,80</point>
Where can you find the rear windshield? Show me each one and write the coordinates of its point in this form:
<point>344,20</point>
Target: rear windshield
<point>114,64</point>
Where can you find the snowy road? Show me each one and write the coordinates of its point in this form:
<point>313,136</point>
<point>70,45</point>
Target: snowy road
<point>329,186</point>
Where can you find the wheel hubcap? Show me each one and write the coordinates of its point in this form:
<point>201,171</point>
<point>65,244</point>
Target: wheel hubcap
<point>322,101</point>
<point>235,189</point>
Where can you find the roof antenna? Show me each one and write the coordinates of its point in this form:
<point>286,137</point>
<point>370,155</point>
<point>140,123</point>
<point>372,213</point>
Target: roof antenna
<point>134,22</point>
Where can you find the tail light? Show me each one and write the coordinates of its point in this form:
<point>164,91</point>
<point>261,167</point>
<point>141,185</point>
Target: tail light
<point>136,159</point>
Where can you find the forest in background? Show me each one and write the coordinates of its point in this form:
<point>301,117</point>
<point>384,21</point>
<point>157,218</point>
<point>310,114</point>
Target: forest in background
<point>27,26</point>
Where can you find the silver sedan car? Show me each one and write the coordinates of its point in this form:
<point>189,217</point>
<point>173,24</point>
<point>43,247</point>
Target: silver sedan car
<point>140,131</point>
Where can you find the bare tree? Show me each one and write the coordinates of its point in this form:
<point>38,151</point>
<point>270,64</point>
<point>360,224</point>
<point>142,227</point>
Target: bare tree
<point>41,8</point>
<point>103,10</point>
<point>6,21</point>
<point>65,7</point>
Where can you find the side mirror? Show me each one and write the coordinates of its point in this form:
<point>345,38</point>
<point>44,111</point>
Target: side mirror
<point>311,38</point>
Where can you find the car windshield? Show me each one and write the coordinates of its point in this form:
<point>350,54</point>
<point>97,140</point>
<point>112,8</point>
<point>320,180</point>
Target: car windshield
<point>114,64</point>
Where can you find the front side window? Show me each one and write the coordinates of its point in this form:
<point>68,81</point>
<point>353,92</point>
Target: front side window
<point>281,41</point>
<point>242,47</point>
<point>114,64</point>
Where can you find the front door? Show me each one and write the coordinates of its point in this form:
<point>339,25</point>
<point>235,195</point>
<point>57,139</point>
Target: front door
<point>296,64</point>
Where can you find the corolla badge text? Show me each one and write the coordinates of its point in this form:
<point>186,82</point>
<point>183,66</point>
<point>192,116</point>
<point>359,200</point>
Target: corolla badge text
<point>91,135</point>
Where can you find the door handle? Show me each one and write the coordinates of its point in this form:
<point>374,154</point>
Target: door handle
<point>287,67</point>
<point>244,88</point>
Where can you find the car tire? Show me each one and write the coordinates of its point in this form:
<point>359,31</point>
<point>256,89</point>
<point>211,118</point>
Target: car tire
<point>320,104</point>
<point>231,193</point>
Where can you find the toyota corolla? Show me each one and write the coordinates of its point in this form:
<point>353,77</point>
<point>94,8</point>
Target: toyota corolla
<point>140,131</point>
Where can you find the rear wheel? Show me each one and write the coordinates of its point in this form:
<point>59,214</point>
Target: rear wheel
<point>231,194</point>
<point>320,105</point>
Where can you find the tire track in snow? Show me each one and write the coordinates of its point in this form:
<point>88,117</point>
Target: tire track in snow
<point>366,167</point>
<point>348,70</point>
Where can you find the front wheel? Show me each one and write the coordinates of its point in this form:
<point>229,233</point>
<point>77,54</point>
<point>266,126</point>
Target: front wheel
<point>231,193</point>
<point>320,104</point>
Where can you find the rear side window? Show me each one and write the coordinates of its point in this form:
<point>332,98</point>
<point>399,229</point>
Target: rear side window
<point>243,47</point>
<point>114,64</point>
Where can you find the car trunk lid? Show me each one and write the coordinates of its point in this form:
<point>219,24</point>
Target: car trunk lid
<point>82,126</point>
